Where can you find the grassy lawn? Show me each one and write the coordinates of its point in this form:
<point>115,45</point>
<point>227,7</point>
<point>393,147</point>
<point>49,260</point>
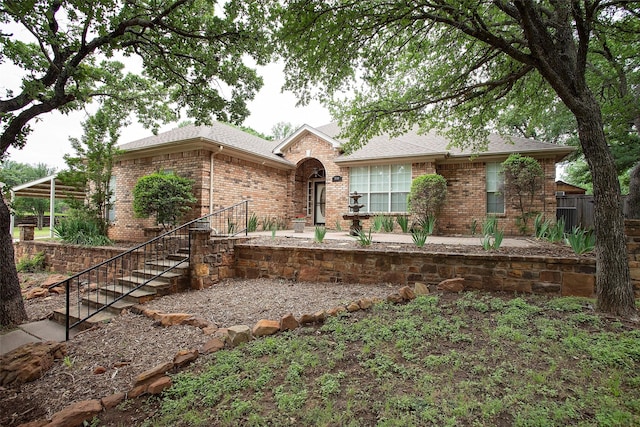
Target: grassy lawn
<point>473,359</point>
<point>37,233</point>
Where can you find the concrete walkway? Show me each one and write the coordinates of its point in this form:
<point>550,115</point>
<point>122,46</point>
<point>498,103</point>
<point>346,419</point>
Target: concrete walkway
<point>43,330</point>
<point>397,238</point>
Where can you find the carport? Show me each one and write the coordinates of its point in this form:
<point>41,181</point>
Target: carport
<point>49,187</point>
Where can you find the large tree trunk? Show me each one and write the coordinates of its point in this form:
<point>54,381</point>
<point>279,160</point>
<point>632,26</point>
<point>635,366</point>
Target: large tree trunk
<point>613,280</point>
<point>12,310</point>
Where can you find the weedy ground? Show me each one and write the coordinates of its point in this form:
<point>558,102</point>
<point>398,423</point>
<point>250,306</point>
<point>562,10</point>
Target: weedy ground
<point>472,359</point>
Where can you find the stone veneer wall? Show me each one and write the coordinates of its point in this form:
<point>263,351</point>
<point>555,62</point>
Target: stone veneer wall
<point>560,276</point>
<point>61,258</point>
<point>226,258</point>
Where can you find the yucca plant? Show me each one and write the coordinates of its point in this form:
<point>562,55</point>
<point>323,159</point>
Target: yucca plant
<point>403,222</point>
<point>80,231</point>
<point>580,240</point>
<point>363,239</point>
<point>377,223</point>
<point>419,237</point>
<point>252,224</point>
<point>541,226</point>
<point>387,224</point>
<point>319,234</point>
<point>556,231</point>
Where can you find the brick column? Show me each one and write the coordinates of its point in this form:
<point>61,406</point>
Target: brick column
<point>199,274</point>
<point>632,231</point>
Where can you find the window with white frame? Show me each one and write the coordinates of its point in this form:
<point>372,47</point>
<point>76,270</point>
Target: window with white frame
<point>111,214</point>
<point>495,184</point>
<point>384,188</point>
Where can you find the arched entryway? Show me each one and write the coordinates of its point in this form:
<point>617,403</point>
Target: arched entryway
<point>310,191</point>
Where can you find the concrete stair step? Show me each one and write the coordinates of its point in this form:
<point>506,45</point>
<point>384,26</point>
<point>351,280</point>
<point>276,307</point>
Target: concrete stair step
<point>137,296</point>
<point>98,300</point>
<point>75,313</point>
<point>157,287</point>
<point>179,256</point>
<point>153,272</point>
<point>178,265</point>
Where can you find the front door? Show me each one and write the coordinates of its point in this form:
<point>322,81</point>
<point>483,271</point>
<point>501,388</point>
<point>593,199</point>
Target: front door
<point>319,203</point>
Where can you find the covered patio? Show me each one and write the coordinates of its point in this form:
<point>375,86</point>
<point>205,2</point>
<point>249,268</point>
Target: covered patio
<point>50,187</point>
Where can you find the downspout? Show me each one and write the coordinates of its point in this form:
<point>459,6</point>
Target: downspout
<point>211,182</point>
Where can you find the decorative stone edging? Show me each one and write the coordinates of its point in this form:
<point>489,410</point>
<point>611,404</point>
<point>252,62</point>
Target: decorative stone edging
<point>155,380</point>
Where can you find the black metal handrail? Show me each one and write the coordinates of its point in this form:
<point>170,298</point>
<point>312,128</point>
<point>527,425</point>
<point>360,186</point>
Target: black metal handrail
<point>102,281</point>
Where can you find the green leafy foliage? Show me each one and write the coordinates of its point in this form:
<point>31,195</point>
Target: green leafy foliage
<point>580,240</point>
<point>252,224</point>
<point>319,234</point>
<point>194,56</point>
<point>91,167</point>
<point>363,238</point>
<point>403,222</point>
<point>419,236</point>
<point>166,196</point>
<point>427,196</point>
<point>387,223</point>
<point>80,229</point>
<point>432,361</point>
<point>31,264</point>
<point>523,177</point>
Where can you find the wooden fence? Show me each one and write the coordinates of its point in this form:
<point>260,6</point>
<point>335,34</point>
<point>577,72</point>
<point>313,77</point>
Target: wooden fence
<point>577,210</point>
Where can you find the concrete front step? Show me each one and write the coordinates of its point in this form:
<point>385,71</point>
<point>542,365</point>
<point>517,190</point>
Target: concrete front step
<point>75,314</point>
<point>157,287</point>
<point>177,265</point>
<point>149,272</point>
<point>99,299</point>
<point>167,282</point>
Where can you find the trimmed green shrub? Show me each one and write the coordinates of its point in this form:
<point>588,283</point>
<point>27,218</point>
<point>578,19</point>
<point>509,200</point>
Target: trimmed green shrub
<point>165,196</point>
<point>427,196</point>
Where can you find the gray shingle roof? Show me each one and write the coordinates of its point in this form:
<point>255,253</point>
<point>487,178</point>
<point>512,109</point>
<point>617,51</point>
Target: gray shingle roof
<point>218,133</point>
<point>413,144</point>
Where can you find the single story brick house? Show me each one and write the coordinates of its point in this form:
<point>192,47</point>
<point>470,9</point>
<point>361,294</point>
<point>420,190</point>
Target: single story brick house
<point>308,175</point>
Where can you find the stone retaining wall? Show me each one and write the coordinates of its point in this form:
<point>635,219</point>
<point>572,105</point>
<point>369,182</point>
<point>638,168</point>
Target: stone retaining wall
<point>62,258</point>
<point>560,276</point>
<point>227,258</point>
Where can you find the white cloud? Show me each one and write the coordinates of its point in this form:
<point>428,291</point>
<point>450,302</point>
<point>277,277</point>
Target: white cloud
<point>49,140</point>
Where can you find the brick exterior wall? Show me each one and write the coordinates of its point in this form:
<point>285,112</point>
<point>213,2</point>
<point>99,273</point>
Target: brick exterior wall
<point>467,198</point>
<point>193,165</point>
<point>276,192</point>
<point>307,152</point>
<point>268,189</point>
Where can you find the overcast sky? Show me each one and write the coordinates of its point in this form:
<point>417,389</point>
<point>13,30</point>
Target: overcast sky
<point>49,140</point>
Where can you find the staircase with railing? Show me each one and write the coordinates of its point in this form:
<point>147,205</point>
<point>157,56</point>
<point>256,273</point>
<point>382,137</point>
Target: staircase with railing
<point>157,267</point>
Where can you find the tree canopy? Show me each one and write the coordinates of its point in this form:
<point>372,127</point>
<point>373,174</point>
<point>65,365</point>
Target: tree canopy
<point>460,66</point>
<point>194,56</point>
